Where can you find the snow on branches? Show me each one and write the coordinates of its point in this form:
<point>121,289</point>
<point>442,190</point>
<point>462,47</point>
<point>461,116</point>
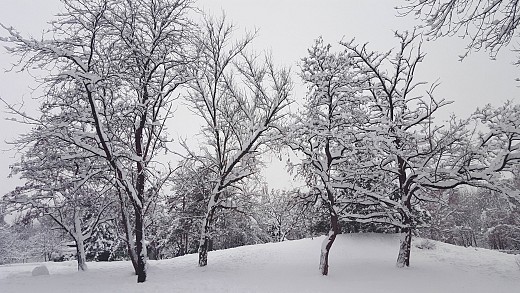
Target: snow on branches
<point>242,100</point>
<point>488,24</point>
<point>372,149</point>
<point>112,69</point>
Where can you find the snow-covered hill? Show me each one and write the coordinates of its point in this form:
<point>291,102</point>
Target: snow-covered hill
<point>359,263</point>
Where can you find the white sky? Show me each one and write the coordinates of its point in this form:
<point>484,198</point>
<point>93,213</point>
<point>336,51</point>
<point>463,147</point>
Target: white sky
<point>287,28</point>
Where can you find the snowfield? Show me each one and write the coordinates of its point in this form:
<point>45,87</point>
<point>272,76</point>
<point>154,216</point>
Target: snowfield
<point>358,263</point>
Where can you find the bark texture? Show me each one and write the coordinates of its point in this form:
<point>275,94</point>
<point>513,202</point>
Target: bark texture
<point>130,243</point>
<point>82,259</point>
<point>204,238</point>
<point>327,244</point>
<point>79,239</point>
<point>403,259</point>
<point>140,248</point>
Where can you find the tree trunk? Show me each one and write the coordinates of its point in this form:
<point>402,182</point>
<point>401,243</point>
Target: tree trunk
<point>78,238</point>
<point>403,259</point>
<point>140,246</point>
<point>185,244</point>
<point>82,259</point>
<point>130,243</point>
<point>204,238</point>
<point>327,244</point>
<point>140,189</point>
<point>203,251</point>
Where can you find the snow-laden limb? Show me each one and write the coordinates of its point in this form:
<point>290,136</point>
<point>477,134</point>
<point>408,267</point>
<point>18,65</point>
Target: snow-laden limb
<point>488,25</point>
<point>484,158</point>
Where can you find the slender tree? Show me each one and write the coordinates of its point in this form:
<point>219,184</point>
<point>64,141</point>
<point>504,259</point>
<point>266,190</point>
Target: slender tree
<point>241,100</point>
<point>329,132</point>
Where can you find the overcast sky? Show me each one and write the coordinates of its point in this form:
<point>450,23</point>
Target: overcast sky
<point>286,29</point>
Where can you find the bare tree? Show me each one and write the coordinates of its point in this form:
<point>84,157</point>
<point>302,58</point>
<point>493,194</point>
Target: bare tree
<point>241,100</point>
<point>113,68</point>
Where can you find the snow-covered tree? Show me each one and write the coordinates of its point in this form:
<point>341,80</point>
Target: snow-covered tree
<point>103,243</point>
<point>283,214</point>
<point>190,187</point>
<point>112,70</point>
<point>328,131</point>
<point>417,154</point>
<point>29,238</point>
<point>373,152</point>
<point>241,100</point>
<point>409,146</point>
<point>474,217</point>
<point>15,244</point>
<point>72,192</point>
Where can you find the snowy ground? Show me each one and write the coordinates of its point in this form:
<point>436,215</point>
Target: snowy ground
<point>359,263</point>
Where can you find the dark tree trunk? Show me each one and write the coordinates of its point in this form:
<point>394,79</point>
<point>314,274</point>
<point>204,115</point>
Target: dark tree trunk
<point>203,252</point>
<point>403,259</point>
<point>140,246</point>
<point>327,244</point>
<point>140,187</point>
<point>186,243</point>
<point>204,238</point>
<point>130,244</point>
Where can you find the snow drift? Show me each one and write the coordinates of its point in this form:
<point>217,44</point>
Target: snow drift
<point>358,263</point>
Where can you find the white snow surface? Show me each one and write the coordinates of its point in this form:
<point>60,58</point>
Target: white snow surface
<point>358,263</point>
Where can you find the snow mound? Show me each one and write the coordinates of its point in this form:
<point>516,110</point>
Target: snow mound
<point>40,271</point>
<point>358,263</point>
